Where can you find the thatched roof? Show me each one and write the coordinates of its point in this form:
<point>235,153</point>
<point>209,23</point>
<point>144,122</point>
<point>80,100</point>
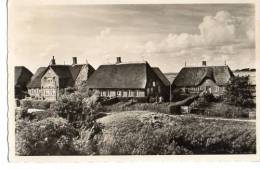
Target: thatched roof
<point>163,78</point>
<point>67,74</point>
<point>22,76</point>
<point>119,76</point>
<point>194,76</point>
<point>36,79</point>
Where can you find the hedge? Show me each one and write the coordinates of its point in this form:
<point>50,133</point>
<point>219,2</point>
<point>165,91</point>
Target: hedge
<point>37,104</point>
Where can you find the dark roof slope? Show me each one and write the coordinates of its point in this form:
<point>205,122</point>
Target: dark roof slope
<point>163,78</point>
<point>123,76</point>
<point>22,75</point>
<point>75,70</point>
<point>194,76</point>
<point>64,74</point>
<point>36,79</point>
<point>67,75</point>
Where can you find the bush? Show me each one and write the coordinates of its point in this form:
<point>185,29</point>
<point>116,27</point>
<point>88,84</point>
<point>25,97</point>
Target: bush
<point>41,115</point>
<point>209,97</point>
<point>221,109</point>
<point>51,136</point>
<point>238,92</point>
<point>131,105</point>
<point>76,108</point>
<point>69,107</point>
<point>37,104</point>
<point>86,144</point>
<point>20,114</point>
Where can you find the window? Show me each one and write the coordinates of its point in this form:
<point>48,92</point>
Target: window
<point>140,93</point>
<point>134,93</point>
<point>118,93</point>
<point>154,84</point>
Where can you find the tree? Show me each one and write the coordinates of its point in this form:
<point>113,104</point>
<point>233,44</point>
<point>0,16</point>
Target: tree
<point>69,106</point>
<point>238,92</point>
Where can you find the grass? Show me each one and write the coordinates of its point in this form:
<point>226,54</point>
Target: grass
<point>143,132</point>
<point>221,109</point>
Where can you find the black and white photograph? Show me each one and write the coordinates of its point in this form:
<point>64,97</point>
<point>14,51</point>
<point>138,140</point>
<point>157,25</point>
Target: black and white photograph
<point>131,79</point>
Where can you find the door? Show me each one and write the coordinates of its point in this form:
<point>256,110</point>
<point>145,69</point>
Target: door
<point>208,89</point>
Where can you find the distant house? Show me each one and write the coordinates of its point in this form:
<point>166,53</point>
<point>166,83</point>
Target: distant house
<point>34,86</point>
<point>212,79</point>
<point>22,78</point>
<point>48,82</point>
<point>129,80</point>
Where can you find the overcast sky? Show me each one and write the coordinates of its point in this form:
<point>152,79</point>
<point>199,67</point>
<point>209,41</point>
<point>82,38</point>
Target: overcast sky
<point>164,35</point>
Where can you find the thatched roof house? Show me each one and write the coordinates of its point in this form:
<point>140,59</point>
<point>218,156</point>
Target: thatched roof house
<point>137,79</point>
<point>47,81</point>
<point>213,78</point>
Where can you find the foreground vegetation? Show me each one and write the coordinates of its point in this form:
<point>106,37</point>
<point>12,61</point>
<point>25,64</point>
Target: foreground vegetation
<point>135,132</point>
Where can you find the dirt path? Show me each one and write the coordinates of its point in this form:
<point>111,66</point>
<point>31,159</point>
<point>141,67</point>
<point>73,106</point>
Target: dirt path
<point>218,118</point>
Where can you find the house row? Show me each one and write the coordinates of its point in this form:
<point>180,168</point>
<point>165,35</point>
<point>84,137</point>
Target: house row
<point>126,80</point>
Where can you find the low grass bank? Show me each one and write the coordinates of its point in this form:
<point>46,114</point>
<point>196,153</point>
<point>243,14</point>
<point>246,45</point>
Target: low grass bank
<point>129,106</point>
<point>148,133</point>
<point>221,109</point>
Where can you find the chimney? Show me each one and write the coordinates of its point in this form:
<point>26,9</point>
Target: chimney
<point>53,61</point>
<point>74,59</point>
<point>204,63</point>
<point>118,60</point>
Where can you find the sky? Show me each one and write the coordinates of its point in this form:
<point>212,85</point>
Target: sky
<point>166,35</point>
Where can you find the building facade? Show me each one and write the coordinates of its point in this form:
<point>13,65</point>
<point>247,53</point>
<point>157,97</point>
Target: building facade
<point>129,80</point>
<point>212,79</point>
<point>49,82</point>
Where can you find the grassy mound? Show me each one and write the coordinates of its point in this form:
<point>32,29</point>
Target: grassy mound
<point>136,132</point>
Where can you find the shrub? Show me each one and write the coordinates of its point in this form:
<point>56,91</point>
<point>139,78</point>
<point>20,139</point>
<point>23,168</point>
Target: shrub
<point>209,97</point>
<point>131,105</point>
<point>20,114</point>
<point>222,109</point>
<point>69,106</point>
<point>77,108</point>
<point>41,115</point>
<point>37,104</point>
<point>51,136</point>
<point>238,92</point>
<point>87,142</point>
